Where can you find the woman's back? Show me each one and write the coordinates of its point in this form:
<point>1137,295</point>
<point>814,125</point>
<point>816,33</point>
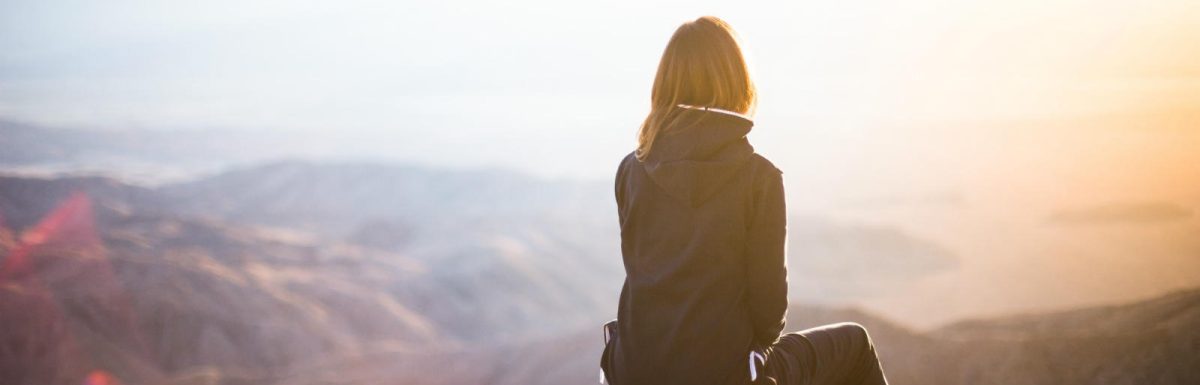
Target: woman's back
<point>703,232</point>
<point>702,228</point>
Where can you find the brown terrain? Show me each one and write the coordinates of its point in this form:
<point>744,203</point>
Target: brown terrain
<point>243,278</point>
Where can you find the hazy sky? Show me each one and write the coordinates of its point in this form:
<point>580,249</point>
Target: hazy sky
<point>558,88</point>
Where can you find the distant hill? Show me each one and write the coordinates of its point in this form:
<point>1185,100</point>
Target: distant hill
<point>145,295</point>
<point>337,200</point>
<point>1156,341</point>
<point>138,153</point>
<point>415,208</point>
<point>502,247</point>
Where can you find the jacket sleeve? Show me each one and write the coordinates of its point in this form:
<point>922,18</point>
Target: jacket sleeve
<point>618,190</point>
<point>766,281</point>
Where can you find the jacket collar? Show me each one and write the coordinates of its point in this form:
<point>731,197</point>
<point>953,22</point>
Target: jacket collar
<point>697,152</point>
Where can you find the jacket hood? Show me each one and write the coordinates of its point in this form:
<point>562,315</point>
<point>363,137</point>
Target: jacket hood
<point>698,152</point>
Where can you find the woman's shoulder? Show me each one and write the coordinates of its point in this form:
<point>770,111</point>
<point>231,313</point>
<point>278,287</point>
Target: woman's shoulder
<point>764,175</point>
<point>629,158</point>
<point>761,166</point>
<point>628,161</point>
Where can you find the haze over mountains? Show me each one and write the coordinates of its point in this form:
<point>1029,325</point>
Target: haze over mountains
<point>412,207</point>
<point>286,273</point>
<point>156,259</point>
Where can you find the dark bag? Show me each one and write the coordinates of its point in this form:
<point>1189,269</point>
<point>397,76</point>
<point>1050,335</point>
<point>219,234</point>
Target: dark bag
<point>610,335</point>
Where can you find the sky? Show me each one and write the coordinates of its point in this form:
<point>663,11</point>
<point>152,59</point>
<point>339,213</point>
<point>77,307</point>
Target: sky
<point>859,100</point>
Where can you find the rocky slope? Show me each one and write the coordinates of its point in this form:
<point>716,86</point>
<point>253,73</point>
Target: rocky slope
<point>147,296</point>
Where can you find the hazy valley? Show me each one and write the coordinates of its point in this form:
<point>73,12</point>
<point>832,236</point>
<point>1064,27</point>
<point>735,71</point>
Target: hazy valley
<point>299,272</point>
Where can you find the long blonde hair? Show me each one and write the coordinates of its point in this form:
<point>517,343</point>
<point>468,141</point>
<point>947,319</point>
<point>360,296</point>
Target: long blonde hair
<point>702,66</point>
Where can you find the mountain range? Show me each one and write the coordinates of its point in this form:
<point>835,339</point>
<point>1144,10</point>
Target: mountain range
<point>301,272</point>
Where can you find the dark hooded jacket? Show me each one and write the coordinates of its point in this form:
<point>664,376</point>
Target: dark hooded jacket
<point>702,236</point>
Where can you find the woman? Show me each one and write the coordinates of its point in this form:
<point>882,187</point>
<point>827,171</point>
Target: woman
<point>703,228</point>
